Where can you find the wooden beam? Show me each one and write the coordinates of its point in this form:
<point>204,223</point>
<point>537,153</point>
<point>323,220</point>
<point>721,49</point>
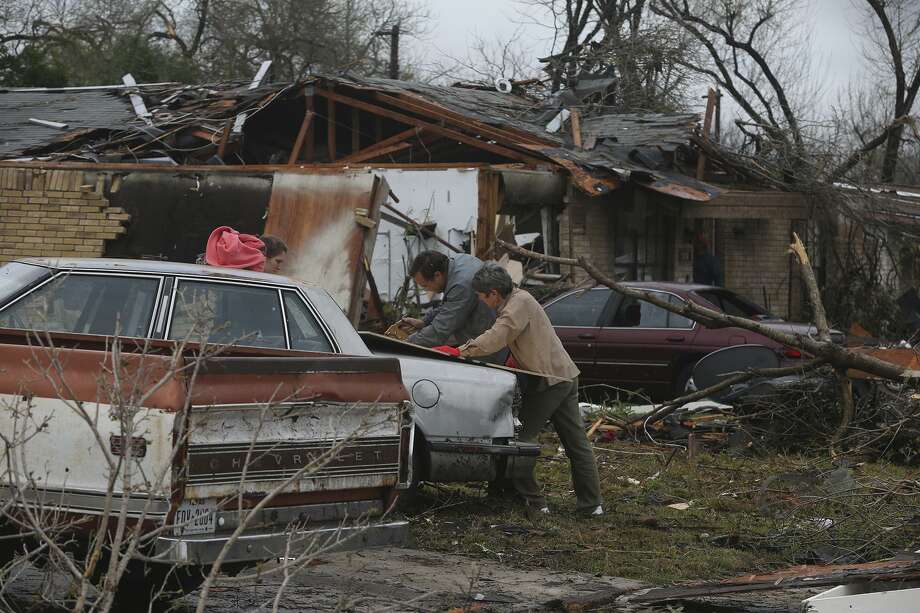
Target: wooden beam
<point>438,112</point>
<point>420,228</point>
<point>575,119</point>
<point>305,129</point>
<point>412,121</point>
<point>330,127</point>
<point>369,154</point>
<point>707,123</point>
<point>224,137</point>
<point>355,130</point>
<point>489,184</point>
<point>396,138</point>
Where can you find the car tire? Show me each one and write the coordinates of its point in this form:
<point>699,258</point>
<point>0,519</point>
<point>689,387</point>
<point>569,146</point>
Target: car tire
<point>145,583</point>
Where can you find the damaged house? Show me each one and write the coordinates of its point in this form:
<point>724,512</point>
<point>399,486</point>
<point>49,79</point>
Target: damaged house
<point>359,175</point>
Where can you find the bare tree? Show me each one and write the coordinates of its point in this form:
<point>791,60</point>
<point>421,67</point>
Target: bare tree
<point>209,39</point>
<point>621,40</point>
<point>485,61</point>
<point>894,52</point>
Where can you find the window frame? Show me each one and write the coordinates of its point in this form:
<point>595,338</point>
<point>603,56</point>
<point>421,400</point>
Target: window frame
<point>323,328</point>
<point>277,289</point>
<point>600,317</point>
<point>651,291</point>
<point>98,273</point>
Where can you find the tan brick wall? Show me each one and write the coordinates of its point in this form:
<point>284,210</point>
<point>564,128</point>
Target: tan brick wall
<point>755,259</point>
<point>55,213</point>
<point>585,228</point>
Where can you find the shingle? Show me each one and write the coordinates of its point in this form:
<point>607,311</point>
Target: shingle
<point>78,109</point>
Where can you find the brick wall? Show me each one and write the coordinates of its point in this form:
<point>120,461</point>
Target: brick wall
<point>585,228</point>
<point>755,259</point>
<point>55,213</point>
<point>751,232</point>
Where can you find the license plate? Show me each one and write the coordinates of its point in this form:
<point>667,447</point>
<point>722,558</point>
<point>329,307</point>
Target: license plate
<point>195,517</point>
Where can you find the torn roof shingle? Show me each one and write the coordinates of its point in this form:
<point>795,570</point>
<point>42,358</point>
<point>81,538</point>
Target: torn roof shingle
<point>102,125</point>
<point>665,130</point>
<point>79,109</point>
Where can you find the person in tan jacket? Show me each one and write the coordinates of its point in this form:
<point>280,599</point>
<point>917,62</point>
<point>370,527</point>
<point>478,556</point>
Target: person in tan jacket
<point>523,327</point>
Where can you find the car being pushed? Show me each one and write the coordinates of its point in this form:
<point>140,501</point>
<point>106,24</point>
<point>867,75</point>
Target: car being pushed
<point>621,343</point>
<point>251,414</point>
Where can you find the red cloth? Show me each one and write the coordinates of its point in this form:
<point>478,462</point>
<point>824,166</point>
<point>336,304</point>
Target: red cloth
<point>228,248</point>
<point>448,350</point>
<point>511,362</point>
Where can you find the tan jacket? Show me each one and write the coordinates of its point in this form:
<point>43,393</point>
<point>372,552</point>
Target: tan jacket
<point>523,327</point>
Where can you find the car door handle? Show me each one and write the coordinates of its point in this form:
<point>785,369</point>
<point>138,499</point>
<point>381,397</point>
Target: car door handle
<point>676,339</point>
<point>587,336</point>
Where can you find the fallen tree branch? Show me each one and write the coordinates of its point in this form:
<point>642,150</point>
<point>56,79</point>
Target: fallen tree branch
<point>672,405</point>
<point>837,356</point>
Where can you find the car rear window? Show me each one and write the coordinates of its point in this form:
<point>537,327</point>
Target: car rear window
<point>87,304</point>
<point>227,314</point>
<point>581,309</point>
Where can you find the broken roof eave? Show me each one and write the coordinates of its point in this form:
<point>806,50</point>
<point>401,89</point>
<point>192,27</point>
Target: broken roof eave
<point>240,168</point>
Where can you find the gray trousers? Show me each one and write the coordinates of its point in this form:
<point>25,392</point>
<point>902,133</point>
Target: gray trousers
<point>559,404</point>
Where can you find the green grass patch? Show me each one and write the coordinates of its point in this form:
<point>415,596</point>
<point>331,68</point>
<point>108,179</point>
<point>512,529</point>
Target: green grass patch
<point>746,514</point>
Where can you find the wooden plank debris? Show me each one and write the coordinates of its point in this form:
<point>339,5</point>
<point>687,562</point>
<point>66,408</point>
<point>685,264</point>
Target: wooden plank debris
<point>790,578</point>
<point>256,81</point>
<point>48,124</point>
<point>305,130</point>
<point>575,122</point>
<point>140,109</point>
<point>431,127</point>
<point>383,144</point>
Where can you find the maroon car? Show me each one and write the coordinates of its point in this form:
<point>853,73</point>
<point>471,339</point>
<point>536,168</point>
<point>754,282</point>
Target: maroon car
<point>634,345</point>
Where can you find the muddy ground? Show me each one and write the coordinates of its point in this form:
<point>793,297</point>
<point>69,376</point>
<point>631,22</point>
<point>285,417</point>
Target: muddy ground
<point>400,580</point>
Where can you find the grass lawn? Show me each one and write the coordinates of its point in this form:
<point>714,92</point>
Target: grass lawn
<point>746,514</point>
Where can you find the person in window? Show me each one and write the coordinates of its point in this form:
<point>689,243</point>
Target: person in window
<point>706,268</point>
<point>461,316</point>
<point>275,253</point>
<point>228,248</point>
<point>522,326</point>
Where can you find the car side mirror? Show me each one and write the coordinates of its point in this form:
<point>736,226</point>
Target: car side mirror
<point>713,368</point>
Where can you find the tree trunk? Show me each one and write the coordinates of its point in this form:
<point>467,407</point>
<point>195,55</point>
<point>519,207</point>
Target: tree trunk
<point>892,150</point>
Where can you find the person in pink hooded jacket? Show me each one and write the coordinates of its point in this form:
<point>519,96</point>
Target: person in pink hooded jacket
<point>228,248</point>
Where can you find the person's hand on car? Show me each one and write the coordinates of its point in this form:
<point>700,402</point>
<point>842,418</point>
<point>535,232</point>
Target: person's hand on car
<point>417,324</point>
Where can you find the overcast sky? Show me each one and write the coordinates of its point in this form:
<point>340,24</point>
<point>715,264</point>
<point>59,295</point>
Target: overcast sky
<point>456,23</point>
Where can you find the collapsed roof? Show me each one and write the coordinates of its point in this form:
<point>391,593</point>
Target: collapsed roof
<point>345,120</point>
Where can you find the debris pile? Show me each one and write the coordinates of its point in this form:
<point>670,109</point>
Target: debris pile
<point>344,120</point>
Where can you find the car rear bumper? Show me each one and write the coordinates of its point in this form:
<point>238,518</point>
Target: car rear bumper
<point>259,546</point>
